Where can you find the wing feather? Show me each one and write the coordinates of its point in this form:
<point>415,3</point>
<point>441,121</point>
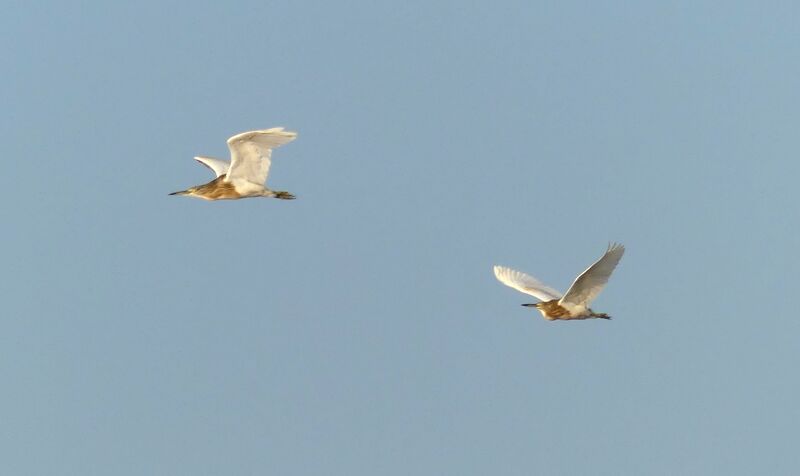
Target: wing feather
<point>251,153</point>
<point>591,282</point>
<point>219,167</point>
<point>525,283</point>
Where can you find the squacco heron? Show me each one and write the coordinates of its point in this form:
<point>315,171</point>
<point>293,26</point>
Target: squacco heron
<point>575,303</point>
<point>246,174</point>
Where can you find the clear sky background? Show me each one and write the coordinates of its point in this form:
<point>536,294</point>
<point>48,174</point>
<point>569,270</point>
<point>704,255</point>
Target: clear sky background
<point>359,330</point>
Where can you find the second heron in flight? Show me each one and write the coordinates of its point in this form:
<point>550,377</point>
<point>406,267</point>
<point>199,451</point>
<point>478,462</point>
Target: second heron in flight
<point>575,303</point>
<point>246,174</point>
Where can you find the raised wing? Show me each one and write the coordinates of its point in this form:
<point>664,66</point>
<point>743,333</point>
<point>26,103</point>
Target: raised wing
<point>525,283</point>
<point>589,284</point>
<point>251,152</point>
<point>219,167</point>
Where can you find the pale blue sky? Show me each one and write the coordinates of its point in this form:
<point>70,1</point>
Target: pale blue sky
<point>359,330</point>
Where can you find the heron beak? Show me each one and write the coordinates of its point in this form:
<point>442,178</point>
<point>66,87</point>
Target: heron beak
<point>182,192</point>
<point>529,305</point>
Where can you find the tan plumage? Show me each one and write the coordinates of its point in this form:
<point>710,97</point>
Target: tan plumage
<point>217,189</point>
<point>246,174</point>
<point>575,303</point>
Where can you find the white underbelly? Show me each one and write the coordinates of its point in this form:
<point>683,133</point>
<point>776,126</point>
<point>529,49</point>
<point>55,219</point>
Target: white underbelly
<point>247,189</point>
<point>576,311</point>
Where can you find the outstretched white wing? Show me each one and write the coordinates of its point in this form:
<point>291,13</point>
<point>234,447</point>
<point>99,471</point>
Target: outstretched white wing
<point>251,151</point>
<point>589,284</point>
<point>219,167</point>
<point>525,283</point>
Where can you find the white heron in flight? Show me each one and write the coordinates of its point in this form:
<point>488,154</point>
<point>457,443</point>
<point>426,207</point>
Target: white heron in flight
<point>575,303</point>
<point>246,174</point>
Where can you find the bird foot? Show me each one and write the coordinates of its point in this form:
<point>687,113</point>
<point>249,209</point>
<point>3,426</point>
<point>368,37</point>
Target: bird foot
<point>284,196</point>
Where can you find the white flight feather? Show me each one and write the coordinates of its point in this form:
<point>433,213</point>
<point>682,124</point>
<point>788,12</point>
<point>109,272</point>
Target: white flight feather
<point>251,153</point>
<point>525,283</point>
<point>591,282</point>
<point>219,167</point>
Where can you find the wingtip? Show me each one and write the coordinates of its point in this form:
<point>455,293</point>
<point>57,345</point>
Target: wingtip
<point>288,136</point>
<point>503,273</point>
<point>613,245</point>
